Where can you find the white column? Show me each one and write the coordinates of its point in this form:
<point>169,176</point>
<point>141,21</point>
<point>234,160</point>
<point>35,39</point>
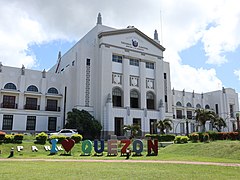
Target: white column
<point>143,85</point>
<point>126,88</point>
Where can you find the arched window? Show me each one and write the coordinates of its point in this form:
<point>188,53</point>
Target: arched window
<point>10,86</point>
<point>150,100</point>
<point>117,97</point>
<point>52,90</point>
<point>189,104</point>
<point>198,106</point>
<point>178,104</point>
<point>207,107</point>
<point>134,99</point>
<point>32,88</point>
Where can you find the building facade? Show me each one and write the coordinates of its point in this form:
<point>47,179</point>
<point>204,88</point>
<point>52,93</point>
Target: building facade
<point>118,75</point>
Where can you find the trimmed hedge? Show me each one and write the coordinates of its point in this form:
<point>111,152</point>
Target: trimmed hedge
<point>181,139</point>
<point>59,137</point>
<point>17,138</point>
<point>161,138</point>
<point>2,136</point>
<point>194,137</point>
<point>77,137</point>
<point>41,138</point>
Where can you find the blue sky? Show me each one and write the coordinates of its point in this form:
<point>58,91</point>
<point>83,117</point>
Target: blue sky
<point>201,37</point>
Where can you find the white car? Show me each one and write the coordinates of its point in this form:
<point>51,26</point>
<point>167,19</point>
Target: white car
<point>65,132</point>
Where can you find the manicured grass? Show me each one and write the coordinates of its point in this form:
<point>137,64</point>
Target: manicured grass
<point>217,151</point>
<point>105,170</point>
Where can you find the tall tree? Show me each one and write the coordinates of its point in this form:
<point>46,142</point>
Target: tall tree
<point>163,125</point>
<point>84,122</point>
<point>202,116</point>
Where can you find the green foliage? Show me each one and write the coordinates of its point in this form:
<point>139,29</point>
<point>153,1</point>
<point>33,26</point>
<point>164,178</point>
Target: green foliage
<point>194,137</point>
<point>17,138</point>
<point>181,139</point>
<point>202,116</point>
<point>161,138</point>
<point>41,138</point>
<point>212,135</point>
<point>77,137</point>
<point>205,137</point>
<point>60,138</point>
<point>163,125</point>
<point>85,123</point>
<point>134,130</point>
<point>8,138</point>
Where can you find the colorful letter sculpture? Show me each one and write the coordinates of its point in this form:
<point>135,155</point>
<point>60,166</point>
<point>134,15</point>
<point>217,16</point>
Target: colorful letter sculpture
<point>153,147</point>
<point>86,147</point>
<point>112,147</point>
<point>138,147</point>
<point>68,144</point>
<point>54,146</point>
<point>96,149</point>
<point>124,148</point>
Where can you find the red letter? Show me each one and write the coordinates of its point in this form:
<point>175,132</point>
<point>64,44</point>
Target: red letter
<point>153,147</point>
<point>124,148</point>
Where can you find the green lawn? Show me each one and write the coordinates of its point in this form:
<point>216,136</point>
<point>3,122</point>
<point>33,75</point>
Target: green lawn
<point>101,170</point>
<point>217,151</point>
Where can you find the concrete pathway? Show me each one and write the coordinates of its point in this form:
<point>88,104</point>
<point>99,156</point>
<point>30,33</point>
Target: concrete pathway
<point>127,161</point>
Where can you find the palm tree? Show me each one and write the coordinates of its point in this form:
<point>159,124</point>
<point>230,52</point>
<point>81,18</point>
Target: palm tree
<point>163,125</point>
<point>202,116</point>
<point>134,129</point>
<point>219,123</point>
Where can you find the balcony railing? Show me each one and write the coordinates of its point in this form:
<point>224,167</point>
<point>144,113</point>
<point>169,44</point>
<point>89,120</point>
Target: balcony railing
<point>9,105</point>
<point>53,108</point>
<point>32,107</point>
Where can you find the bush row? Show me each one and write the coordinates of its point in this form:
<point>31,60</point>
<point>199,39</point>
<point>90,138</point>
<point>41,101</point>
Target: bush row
<point>42,137</point>
<point>161,138</point>
<point>181,139</point>
<point>10,138</point>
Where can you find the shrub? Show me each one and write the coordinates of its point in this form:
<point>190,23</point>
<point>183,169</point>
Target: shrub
<point>205,137</point>
<point>161,138</point>
<point>41,138</point>
<point>212,135</point>
<point>181,139</point>
<point>17,138</point>
<point>166,137</point>
<point>2,136</point>
<point>60,138</point>
<point>77,137</point>
<point>222,136</point>
<point>8,138</point>
<point>194,137</point>
<point>233,135</point>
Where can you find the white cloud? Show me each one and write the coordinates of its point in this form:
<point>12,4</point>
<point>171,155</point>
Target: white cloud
<point>216,23</point>
<point>237,73</point>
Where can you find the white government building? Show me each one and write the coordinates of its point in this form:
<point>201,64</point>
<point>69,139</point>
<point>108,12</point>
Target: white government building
<point>119,76</point>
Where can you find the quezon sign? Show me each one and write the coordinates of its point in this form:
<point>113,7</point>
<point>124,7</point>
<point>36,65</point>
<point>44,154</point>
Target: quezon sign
<point>98,146</point>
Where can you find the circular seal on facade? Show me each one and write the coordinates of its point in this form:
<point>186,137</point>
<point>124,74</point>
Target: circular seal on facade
<point>134,43</point>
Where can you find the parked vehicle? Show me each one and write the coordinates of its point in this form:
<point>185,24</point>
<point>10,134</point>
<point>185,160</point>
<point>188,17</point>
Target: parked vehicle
<point>65,132</point>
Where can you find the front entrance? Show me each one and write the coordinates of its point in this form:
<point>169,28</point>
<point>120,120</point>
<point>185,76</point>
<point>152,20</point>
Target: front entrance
<point>137,121</point>
<point>118,126</point>
<point>153,126</point>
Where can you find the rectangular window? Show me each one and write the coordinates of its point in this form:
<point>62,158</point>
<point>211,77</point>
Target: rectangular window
<point>231,111</point>
<point>116,58</point>
<point>189,114</point>
<point>31,103</point>
<point>165,75</point>
<point>216,107</point>
<point>88,62</point>
<point>52,105</point>
<point>9,102</point>
<point>52,123</point>
<point>179,114</point>
<point>149,65</point>
<point>7,122</point>
<point>31,123</point>
<point>134,62</point>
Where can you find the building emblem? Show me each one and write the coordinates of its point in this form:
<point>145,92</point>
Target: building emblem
<point>134,43</point>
